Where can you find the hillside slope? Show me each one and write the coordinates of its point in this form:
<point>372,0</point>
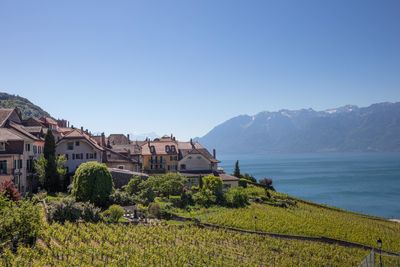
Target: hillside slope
<point>345,129</point>
<point>27,108</point>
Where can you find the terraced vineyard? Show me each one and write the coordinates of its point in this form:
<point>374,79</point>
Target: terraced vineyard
<point>306,219</point>
<point>172,245</point>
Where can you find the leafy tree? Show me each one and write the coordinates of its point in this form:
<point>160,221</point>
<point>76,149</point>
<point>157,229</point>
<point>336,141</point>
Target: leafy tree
<point>61,170</point>
<point>132,187</point>
<point>8,190</point>
<point>51,177</point>
<point>213,183</point>
<point>236,172</point>
<point>92,182</point>
<point>167,184</point>
<point>41,167</point>
<point>211,192</point>
<point>236,197</point>
<point>267,182</point>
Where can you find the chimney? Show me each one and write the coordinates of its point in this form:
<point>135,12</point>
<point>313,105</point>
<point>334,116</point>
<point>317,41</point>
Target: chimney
<point>148,143</point>
<point>129,139</point>
<point>82,129</point>
<point>214,154</point>
<point>191,142</point>
<point>68,124</point>
<point>103,139</point>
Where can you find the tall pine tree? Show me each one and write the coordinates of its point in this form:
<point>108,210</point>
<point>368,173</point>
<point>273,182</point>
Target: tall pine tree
<point>52,182</point>
<point>236,172</point>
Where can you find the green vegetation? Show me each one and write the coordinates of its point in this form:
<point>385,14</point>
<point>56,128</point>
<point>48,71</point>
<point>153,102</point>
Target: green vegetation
<point>113,214</point>
<point>20,222</point>
<point>92,182</point>
<point>171,245</point>
<point>304,219</point>
<point>24,105</point>
<point>50,169</point>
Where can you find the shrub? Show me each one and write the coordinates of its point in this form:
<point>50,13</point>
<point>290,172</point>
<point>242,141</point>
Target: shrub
<point>92,182</point>
<point>243,182</point>
<point>236,197</point>
<point>69,210</point>
<point>113,214</point>
<point>159,210</point>
<point>122,198</point>
<point>205,198</point>
<point>8,189</point>
<point>167,184</point>
<point>249,177</point>
<point>214,184</point>
<point>20,220</point>
<point>132,187</point>
<point>267,182</point>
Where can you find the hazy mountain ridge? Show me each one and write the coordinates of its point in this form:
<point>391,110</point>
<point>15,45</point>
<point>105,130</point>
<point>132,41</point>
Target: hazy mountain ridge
<point>345,129</point>
<point>27,108</point>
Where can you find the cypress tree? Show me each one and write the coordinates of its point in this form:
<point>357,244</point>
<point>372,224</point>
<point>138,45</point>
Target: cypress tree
<point>52,182</point>
<point>236,172</point>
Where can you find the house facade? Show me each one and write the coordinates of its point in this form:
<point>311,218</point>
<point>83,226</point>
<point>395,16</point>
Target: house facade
<point>78,147</point>
<point>18,151</point>
<point>160,155</point>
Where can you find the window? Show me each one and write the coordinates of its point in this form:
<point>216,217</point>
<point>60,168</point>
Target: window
<point>169,167</point>
<point>152,149</point>
<point>66,156</point>
<point>121,167</point>
<point>20,164</point>
<point>73,156</point>
<point>167,149</point>
<point>77,143</point>
<point>2,146</point>
<point>91,155</point>
<point>28,147</point>
<point>173,149</point>
<point>35,149</point>
<point>183,166</point>
<point>95,155</point>
<point>87,155</point>
<point>3,167</point>
<point>70,146</point>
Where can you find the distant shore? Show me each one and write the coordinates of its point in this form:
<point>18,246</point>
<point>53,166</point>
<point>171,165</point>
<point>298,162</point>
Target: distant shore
<point>395,220</point>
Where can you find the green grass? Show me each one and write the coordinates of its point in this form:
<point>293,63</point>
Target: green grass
<point>305,219</point>
<point>172,245</point>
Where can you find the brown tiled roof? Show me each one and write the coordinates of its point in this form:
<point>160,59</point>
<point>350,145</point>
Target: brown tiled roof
<point>118,139</point>
<point>32,122</point>
<point>121,158</point>
<point>4,115</point>
<point>33,129</point>
<point>48,120</point>
<point>8,135</point>
<point>78,134</point>
<point>135,149</point>
<point>186,148</point>
<point>21,129</point>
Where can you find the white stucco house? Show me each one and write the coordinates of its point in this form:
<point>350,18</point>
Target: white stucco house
<point>78,147</point>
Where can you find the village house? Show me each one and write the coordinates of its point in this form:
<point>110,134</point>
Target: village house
<point>191,159</point>
<point>160,155</point>
<point>18,150</point>
<point>78,147</point>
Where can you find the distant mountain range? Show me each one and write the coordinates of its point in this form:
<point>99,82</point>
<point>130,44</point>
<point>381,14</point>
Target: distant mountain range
<point>27,108</point>
<point>345,129</point>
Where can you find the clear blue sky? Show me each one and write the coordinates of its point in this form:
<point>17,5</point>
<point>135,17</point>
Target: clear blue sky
<point>185,66</point>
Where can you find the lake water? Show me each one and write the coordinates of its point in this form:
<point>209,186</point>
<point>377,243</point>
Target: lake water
<point>363,182</point>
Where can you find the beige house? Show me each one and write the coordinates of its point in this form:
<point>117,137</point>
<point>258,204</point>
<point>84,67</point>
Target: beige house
<point>78,147</point>
<point>18,150</point>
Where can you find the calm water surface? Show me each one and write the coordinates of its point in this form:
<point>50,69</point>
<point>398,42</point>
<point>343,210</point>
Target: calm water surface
<point>362,182</point>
